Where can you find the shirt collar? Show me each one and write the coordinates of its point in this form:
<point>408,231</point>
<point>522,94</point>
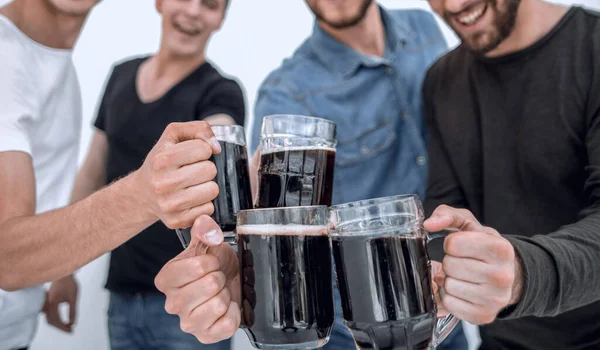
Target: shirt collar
<point>344,60</point>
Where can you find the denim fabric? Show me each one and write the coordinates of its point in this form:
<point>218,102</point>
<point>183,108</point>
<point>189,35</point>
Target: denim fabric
<point>140,322</point>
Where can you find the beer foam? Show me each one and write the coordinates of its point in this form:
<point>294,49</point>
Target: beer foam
<point>298,148</point>
<point>281,230</point>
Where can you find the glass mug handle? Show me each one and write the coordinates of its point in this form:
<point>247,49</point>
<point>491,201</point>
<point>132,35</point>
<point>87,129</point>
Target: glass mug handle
<point>445,325</point>
<point>185,237</point>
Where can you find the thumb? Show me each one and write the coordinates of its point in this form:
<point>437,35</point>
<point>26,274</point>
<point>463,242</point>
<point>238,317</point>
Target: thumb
<point>180,132</point>
<point>206,231</point>
<point>72,312</point>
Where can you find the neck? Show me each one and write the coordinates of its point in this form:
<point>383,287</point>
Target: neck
<point>174,67</point>
<point>366,37</point>
<point>535,19</point>
<point>44,24</point>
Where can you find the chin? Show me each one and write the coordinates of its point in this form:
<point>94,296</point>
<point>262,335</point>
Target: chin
<point>73,7</point>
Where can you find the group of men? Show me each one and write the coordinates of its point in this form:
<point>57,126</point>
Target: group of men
<point>501,137</point>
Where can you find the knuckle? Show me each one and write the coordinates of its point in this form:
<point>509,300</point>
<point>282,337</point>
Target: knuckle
<point>502,279</point>
<point>213,189</point>
<point>212,283</point>
<point>171,307</point>
<point>504,250</point>
<point>230,325</point>
<point>161,161</point>
<point>220,306</point>
<point>186,325</point>
<point>211,169</point>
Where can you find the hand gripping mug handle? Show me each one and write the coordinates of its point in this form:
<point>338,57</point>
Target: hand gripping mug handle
<point>445,325</point>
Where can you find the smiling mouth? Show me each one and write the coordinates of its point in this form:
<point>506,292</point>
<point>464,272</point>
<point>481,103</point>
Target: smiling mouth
<point>188,31</point>
<point>470,17</point>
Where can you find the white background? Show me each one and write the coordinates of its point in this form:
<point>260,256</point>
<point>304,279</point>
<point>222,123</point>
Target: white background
<point>256,36</point>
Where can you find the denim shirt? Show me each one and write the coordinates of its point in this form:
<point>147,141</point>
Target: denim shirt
<point>375,102</point>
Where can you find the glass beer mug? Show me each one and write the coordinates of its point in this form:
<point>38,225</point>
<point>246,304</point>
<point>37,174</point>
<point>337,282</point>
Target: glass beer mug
<point>297,161</point>
<point>384,274</point>
<point>233,179</point>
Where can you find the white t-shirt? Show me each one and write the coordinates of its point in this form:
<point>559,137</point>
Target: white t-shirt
<point>40,114</point>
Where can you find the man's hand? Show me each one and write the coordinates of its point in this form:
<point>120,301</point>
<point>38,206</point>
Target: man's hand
<point>253,170</point>
<point>62,291</point>
<point>480,273</point>
<point>175,180</point>
<point>203,285</point>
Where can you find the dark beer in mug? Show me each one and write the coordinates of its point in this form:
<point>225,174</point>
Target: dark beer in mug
<point>384,275</point>
<point>296,177</point>
<point>297,161</point>
<point>232,178</point>
<point>286,281</point>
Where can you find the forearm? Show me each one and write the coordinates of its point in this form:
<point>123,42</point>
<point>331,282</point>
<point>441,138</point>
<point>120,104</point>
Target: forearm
<point>559,269</point>
<point>86,184</point>
<point>46,247</point>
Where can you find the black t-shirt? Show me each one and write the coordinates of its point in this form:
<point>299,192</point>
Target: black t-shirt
<point>516,139</point>
<point>132,128</point>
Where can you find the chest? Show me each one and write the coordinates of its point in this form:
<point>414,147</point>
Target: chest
<point>517,126</point>
<point>133,127</point>
<point>58,117</point>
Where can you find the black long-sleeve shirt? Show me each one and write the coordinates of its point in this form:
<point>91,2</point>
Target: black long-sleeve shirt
<point>516,139</point>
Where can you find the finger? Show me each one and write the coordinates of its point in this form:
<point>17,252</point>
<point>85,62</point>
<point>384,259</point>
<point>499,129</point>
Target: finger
<point>182,271</point>
<point>185,218</point>
<point>185,299</point>
<point>179,132</point>
<point>476,294</point>
<point>227,325</point>
<point>478,246</point>
<point>185,153</point>
<point>195,174</point>
<point>466,311</point>
<point>72,311</point>
<point>445,217</point>
<point>465,269</point>
<point>206,230</point>
<point>253,170</point>
<point>191,197</point>
<point>207,314</point>
<point>53,319</point>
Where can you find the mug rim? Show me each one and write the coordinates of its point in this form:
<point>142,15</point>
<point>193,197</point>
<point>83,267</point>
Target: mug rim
<point>375,201</point>
<point>300,116</point>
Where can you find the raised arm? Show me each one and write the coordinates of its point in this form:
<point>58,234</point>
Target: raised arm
<point>174,185</point>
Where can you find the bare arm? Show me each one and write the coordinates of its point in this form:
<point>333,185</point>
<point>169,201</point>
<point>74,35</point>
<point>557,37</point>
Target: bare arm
<point>92,175</point>
<point>174,185</point>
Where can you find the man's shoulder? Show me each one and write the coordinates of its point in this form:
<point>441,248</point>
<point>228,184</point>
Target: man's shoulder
<point>449,68</point>
<point>128,65</point>
<point>302,72</point>
<point>418,24</point>
<point>14,53</point>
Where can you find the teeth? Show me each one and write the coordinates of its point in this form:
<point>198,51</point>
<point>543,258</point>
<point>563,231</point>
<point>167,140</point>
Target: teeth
<point>471,17</point>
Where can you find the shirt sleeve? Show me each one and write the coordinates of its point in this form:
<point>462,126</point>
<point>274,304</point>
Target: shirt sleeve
<point>226,97</point>
<point>101,122</point>
<point>560,269</point>
<point>17,103</point>
<point>274,99</point>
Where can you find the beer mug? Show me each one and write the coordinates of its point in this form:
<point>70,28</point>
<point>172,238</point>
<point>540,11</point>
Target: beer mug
<point>232,178</point>
<point>286,280</point>
<point>297,161</point>
<point>384,274</point>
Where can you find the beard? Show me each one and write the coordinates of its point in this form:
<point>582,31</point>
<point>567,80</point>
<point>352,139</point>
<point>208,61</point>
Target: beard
<point>345,22</point>
<point>503,25</point>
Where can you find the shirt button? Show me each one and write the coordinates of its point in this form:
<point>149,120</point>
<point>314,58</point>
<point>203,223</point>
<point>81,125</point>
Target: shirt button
<point>421,160</point>
<point>364,150</point>
<point>389,70</point>
<point>405,116</point>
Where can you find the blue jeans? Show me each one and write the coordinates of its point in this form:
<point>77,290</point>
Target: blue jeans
<point>139,321</point>
<point>341,338</point>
